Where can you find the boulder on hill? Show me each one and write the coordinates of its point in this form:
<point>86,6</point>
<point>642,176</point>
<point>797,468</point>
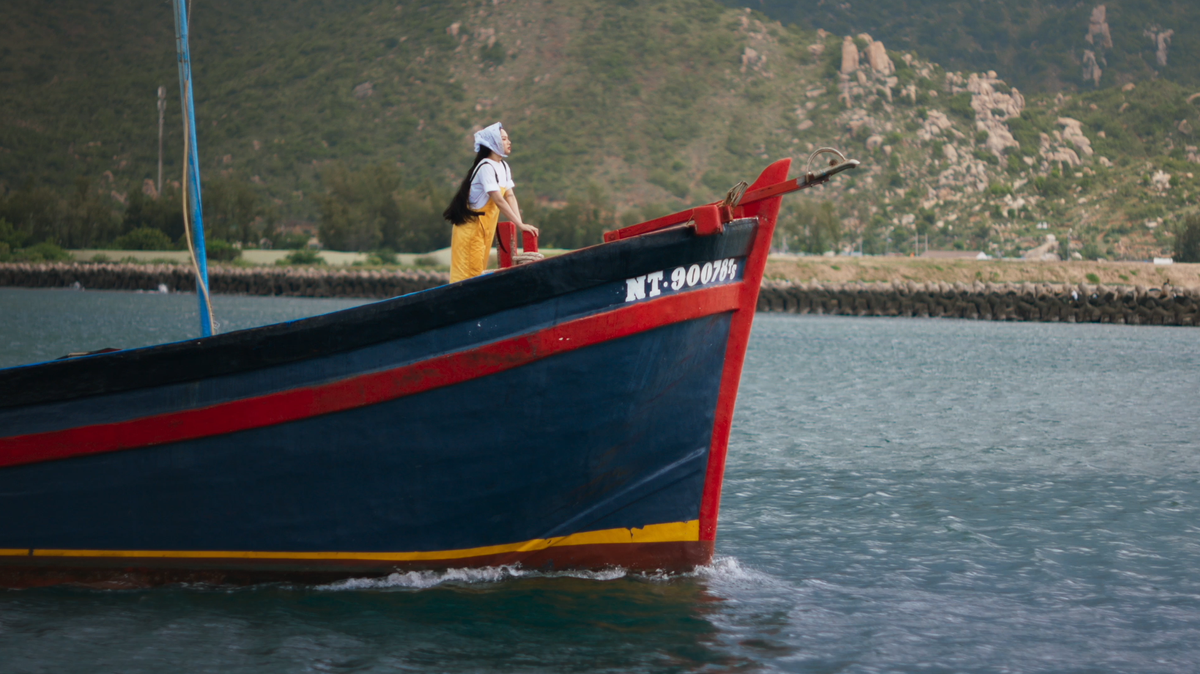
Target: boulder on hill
<point>849,56</point>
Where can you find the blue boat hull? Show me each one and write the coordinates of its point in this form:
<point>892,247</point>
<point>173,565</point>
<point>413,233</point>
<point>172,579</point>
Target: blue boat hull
<point>571,413</point>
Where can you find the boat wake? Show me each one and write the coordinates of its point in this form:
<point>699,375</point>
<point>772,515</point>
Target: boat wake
<point>420,580</point>
<point>722,570</point>
<point>728,570</point>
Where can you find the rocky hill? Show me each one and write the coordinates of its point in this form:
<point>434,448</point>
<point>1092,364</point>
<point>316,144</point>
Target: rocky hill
<point>1040,45</point>
<point>618,111</point>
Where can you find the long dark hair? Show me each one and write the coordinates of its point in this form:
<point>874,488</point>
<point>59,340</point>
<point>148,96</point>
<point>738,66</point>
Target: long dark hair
<point>459,210</point>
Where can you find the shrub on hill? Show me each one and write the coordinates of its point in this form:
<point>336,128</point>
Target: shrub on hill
<point>221,250</point>
<point>45,251</point>
<point>9,236</point>
<point>302,256</point>
<point>143,238</point>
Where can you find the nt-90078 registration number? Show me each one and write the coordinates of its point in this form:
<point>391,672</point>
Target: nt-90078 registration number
<point>655,284</point>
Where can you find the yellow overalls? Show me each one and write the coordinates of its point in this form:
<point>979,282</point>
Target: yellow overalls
<point>471,242</point>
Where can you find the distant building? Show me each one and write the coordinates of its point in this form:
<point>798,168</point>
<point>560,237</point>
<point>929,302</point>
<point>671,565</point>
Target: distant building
<point>955,255</point>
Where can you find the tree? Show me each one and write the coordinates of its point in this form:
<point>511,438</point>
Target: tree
<point>233,210</point>
<point>34,212</point>
<point>1187,240</point>
<point>357,206</point>
<point>582,222</point>
<point>813,227</point>
<point>84,218</point>
<point>88,218</point>
<point>164,214</point>
<point>413,221</point>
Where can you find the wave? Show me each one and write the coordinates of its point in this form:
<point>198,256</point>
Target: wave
<point>420,580</point>
<point>722,570</point>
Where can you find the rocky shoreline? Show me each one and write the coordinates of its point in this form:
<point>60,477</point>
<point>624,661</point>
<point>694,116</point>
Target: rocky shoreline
<point>1050,302</point>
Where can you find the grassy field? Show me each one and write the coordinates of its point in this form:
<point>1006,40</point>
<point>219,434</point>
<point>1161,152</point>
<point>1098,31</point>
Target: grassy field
<point>847,269</point>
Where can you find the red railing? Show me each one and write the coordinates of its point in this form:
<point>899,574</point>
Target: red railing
<point>703,216</point>
<point>707,219</point>
<point>507,232</point>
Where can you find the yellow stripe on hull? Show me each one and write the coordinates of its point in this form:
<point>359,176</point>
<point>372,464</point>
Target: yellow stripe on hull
<point>671,532</point>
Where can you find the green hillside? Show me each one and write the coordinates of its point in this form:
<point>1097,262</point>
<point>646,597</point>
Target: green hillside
<point>359,115</point>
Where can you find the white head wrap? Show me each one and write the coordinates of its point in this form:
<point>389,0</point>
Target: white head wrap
<point>490,138</point>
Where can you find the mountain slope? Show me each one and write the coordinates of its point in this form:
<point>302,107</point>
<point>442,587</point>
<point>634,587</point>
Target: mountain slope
<point>622,109</point>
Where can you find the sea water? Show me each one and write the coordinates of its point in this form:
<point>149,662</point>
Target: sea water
<point>901,495</point>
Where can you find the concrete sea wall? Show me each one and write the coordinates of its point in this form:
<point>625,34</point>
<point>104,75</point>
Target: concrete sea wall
<point>1083,303</point>
<point>289,281</point>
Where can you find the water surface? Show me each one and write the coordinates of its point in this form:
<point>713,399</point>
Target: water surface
<point>902,495</point>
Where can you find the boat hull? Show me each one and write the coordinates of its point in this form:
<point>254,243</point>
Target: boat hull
<point>569,414</point>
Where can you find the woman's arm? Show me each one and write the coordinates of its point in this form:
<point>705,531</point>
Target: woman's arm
<point>510,210</point>
<point>511,197</point>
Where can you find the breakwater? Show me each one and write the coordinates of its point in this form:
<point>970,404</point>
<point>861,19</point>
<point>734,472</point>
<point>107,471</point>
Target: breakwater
<point>280,281</point>
<point>1081,303</point>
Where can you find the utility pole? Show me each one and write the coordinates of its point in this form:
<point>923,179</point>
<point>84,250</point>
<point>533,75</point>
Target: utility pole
<point>162,108</point>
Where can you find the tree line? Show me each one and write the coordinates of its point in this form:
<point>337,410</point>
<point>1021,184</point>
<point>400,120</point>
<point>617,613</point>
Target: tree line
<point>368,209</point>
<point>365,209</point>
<point>92,216</point>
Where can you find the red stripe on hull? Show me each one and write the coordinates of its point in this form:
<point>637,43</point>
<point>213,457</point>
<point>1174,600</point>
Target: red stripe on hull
<point>369,389</point>
<point>109,573</point>
<point>739,338</point>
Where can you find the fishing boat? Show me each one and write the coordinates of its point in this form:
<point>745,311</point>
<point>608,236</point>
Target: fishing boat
<point>568,413</point>
<point>573,412</point>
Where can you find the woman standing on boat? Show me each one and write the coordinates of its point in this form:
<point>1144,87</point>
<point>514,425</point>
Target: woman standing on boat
<point>485,193</point>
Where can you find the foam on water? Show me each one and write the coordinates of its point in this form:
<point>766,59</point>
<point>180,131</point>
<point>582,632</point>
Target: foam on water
<point>724,571</point>
<point>421,580</point>
<point>727,570</point>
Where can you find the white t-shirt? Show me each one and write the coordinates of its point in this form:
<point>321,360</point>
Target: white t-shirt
<point>490,176</point>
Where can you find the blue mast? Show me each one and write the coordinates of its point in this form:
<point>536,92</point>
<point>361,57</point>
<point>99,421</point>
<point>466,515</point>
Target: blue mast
<point>193,163</point>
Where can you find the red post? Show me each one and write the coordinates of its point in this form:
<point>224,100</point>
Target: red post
<point>507,233</point>
<point>708,220</point>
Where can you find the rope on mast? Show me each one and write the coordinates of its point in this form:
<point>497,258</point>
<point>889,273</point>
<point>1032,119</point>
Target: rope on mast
<point>201,282</point>
<point>191,169</point>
